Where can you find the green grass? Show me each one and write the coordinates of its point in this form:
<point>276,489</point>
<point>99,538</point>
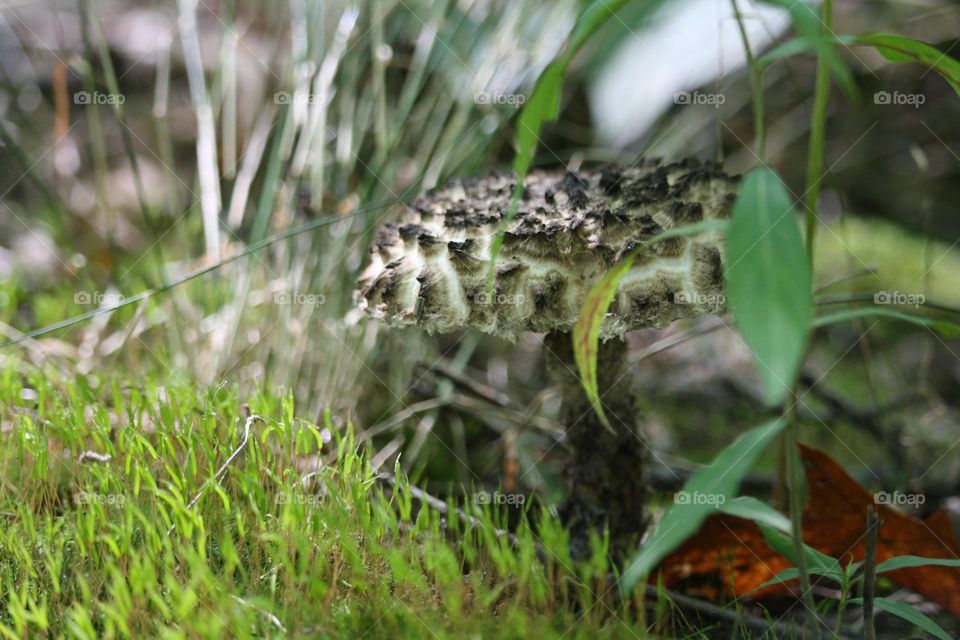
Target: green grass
<point>114,549</point>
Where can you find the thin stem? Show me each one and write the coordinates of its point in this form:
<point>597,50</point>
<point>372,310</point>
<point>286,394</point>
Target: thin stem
<point>841,606</point>
<point>756,89</point>
<point>870,573</point>
<point>795,479</point>
<point>818,127</point>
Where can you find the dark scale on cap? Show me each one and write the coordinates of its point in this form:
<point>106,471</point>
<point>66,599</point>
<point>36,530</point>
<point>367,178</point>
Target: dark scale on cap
<point>463,255</point>
<point>549,296</point>
<point>610,181</point>
<point>430,246</point>
<point>410,231</point>
<point>575,188</point>
<point>433,299</point>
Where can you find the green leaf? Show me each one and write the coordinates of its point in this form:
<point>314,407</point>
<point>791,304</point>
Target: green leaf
<point>684,517</point>
<point>543,106</point>
<point>586,333</point>
<point>945,328</point>
<point>803,44</point>
<point>902,49</point>
<point>788,575</point>
<point>908,613</point>
<point>811,35</point>
<point>750,508</point>
<point>907,562</point>
<point>768,280</point>
<point>817,563</point>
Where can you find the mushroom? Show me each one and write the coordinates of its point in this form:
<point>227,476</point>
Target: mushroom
<point>430,270</point>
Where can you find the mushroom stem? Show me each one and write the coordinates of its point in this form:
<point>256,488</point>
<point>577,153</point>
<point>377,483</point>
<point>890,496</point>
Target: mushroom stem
<point>607,473</point>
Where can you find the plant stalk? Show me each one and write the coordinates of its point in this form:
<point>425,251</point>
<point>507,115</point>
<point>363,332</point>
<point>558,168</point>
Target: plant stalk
<point>795,480</point>
<point>818,124</point>
<point>870,573</point>
<point>756,90</point>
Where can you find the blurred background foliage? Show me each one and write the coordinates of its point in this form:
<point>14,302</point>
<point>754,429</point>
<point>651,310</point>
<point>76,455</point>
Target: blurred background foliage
<point>142,141</point>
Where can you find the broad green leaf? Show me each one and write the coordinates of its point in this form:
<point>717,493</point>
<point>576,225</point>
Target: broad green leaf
<point>902,49</point>
<point>543,106</point>
<point>908,613</point>
<point>817,563</point>
<point>907,562</point>
<point>768,280</point>
<point>586,333</point>
<point>684,517</point>
<point>750,508</point>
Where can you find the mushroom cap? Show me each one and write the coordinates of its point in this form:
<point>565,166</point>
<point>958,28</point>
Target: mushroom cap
<point>430,268</point>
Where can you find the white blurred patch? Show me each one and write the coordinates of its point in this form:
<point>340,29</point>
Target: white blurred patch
<point>688,45</point>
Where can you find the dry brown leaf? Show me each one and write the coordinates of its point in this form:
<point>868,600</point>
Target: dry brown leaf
<point>730,557</point>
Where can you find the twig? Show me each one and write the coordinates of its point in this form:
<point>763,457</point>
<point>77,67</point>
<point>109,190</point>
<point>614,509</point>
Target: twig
<point>776,628</point>
<point>269,616</point>
<point>870,573</point>
<point>223,468</point>
<point>466,383</point>
<point>439,505</point>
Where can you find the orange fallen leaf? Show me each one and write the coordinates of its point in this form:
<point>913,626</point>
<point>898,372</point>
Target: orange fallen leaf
<point>730,557</point>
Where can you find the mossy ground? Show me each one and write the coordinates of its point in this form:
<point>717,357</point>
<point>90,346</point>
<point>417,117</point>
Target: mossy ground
<point>114,548</point>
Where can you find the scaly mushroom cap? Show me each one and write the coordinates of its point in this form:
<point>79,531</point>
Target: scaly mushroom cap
<point>430,268</point>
